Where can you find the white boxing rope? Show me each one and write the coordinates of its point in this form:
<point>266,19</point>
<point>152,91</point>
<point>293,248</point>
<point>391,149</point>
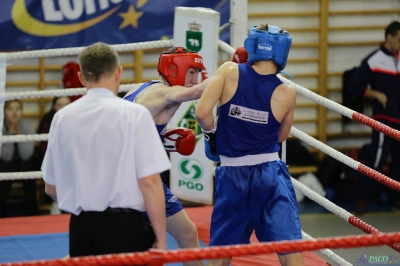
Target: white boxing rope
<point>58,92</point>
<point>342,213</point>
<point>328,253</point>
<point>43,94</point>
<point>325,148</point>
<point>78,50</point>
<point>226,47</point>
<point>318,99</point>
<point>25,138</point>
<point>20,175</point>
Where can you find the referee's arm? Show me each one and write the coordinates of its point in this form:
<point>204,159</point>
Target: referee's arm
<point>154,201</point>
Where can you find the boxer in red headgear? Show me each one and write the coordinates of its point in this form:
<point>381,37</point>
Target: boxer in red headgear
<point>178,82</point>
<point>178,70</point>
<point>175,63</point>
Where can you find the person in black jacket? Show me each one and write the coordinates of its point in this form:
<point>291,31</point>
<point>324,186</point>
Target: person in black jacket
<point>17,157</point>
<point>380,70</point>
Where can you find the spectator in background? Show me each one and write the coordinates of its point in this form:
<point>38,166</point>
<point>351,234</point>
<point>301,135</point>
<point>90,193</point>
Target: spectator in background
<point>380,70</point>
<point>70,78</point>
<point>44,128</point>
<point>17,157</point>
<point>45,122</point>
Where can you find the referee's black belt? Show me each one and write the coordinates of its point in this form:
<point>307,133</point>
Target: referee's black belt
<point>109,209</point>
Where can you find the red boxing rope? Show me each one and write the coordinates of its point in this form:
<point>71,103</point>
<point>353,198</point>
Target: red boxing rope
<point>159,257</point>
<point>370,230</point>
<point>381,178</point>
<point>376,125</point>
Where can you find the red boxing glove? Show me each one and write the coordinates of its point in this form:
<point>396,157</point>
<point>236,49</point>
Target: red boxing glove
<point>181,140</point>
<point>240,56</point>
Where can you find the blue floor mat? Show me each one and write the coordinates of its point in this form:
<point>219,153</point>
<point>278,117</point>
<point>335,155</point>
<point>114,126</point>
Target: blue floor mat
<point>46,246</point>
<point>33,247</point>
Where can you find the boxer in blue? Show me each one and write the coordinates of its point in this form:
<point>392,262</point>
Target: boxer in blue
<point>178,69</point>
<point>253,187</point>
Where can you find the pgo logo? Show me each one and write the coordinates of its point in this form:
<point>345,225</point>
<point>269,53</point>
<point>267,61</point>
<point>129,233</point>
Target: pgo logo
<point>191,169</point>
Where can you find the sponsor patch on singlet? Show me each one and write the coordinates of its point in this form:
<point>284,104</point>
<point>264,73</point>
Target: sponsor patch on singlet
<point>248,114</point>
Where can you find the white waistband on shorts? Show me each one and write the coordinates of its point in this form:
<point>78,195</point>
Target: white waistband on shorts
<point>249,159</point>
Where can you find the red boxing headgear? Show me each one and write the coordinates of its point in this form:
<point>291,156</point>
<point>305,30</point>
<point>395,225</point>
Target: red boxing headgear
<point>174,63</point>
<point>240,56</point>
<point>70,78</point>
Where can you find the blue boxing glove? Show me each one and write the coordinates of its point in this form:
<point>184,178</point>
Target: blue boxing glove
<point>210,145</point>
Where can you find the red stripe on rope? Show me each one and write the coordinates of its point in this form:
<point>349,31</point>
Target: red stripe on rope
<point>381,178</point>
<point>376,125</point>
<point>370,230</point>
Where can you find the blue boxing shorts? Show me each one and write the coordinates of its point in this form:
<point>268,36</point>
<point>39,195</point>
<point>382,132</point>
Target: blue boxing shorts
<point>172,204</point>
<point>258,197</point>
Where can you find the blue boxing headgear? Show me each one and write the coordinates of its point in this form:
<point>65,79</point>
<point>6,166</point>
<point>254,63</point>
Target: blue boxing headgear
<point>273,44</point>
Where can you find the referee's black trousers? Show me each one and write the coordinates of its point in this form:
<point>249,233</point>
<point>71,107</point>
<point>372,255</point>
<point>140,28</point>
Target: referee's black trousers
<point>108,232</point>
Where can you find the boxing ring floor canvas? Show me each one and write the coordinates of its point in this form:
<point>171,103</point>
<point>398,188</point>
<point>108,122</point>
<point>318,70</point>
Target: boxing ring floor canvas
<point>46,237</point>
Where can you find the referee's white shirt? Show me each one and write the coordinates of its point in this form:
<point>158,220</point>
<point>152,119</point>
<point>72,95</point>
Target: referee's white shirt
<point>99,146</point>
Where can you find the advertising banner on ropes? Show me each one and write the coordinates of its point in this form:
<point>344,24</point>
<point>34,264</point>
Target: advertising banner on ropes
<point>49,24</point>
<point>192,176</point>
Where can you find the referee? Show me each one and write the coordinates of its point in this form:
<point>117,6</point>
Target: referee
<point>102,164</point>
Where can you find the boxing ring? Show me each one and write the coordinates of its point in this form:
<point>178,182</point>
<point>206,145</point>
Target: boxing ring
<point>156,257</point>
